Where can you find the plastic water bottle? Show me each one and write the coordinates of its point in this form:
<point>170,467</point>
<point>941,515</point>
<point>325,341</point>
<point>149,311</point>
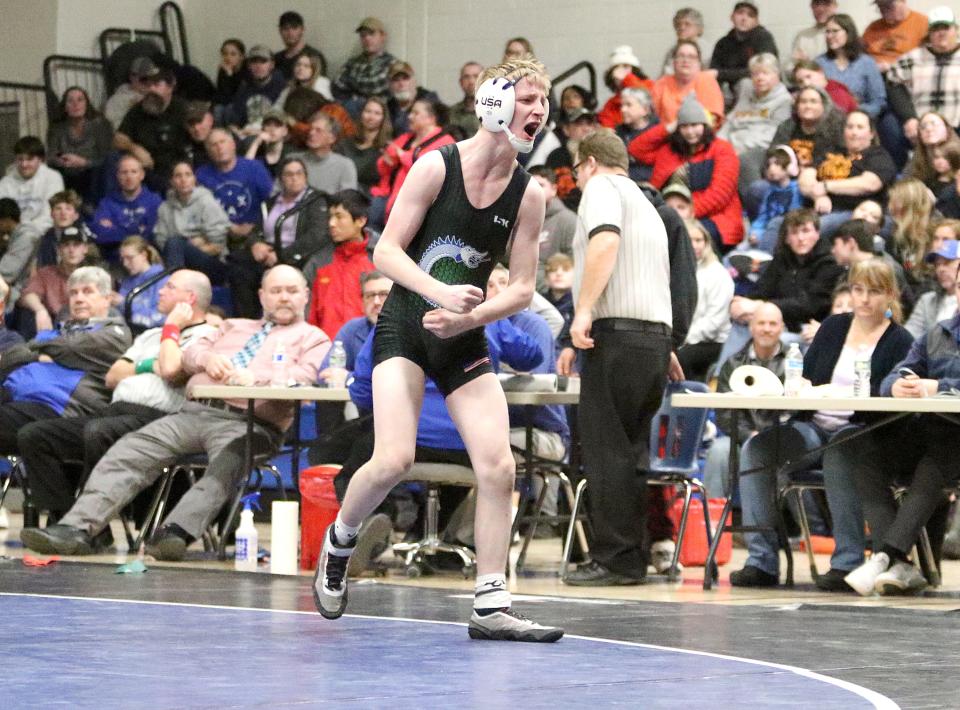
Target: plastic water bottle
<point>861,373</point>
<point>247,545</point>
<point>278,375</point>
<point>793,370</point>
<point>338,355</point>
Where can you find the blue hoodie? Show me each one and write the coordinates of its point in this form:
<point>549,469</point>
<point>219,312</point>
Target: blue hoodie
<point>126,217</point>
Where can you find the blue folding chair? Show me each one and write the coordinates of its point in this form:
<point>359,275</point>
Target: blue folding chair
<point>675,436</point>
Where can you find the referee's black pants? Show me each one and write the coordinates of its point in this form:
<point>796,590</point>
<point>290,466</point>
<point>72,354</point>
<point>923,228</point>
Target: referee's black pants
<point>622,382</point>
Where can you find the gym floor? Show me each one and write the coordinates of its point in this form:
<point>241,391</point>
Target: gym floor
<point>198,634</point>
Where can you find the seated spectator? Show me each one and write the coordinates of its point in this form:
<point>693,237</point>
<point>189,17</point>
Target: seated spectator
<point>732,52</point>
<point>708,165</point>
<point>198,122</point>
<point>842,303</point>
<point>257,93</point>
<point>936,139</point>
<point>811,42</point>
<point>78,142</point>
<point>307,73</point>
<point>763,349</point>
<point>145,384</point>
<point>688,77</point>
<point>799,280</point>
<point>846,62</point>
<point>132,209</point>
<point>688,25</point>
<point>295,46</point>
<point>781,195</point>
<point>559,222</point>
<point>30,183</point>
<point>463,114</point>
<point>558,288</point>
<point>575,96</point>
<point>404,92</point>
<point>142,262</point>
<point>624,73</point>
<point>921,451</point>
<point>427,120</point>
<point>842,180</point>
<point>302,104</point>
<point>898,31</point>
<point>191,230</point>
<point>921,79</point>
<point>206,426</point>
<point>518,48</point>
<point>129,94</point>
<point>939,303</point>
<point>872,327</point>
<point>61,372</point>
<point>853,242</point>
<point>365,74</point>
<point>153,130</point>
<point>374,133</point>
<point>807,73</point>
<point>19,243</point>
<point>65,211</point>
<point>231,73</point>
<point>304,238</point>
<point>948,203</point>
<point>335,297</point>
<point>239,184</point>
<point>711,319</point>
<point>636,107</point>
<point>814,129</point>
<point>763,103</point>
<point>677,196</point>
<point>45,294</point>
<point>270,145</point>
<point>7,337</point>
<point>326,171</point>
<point>575,126</point>
<point>910,205</point>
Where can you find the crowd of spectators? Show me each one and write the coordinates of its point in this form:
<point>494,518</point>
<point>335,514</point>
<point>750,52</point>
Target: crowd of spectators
<point>788,170</point>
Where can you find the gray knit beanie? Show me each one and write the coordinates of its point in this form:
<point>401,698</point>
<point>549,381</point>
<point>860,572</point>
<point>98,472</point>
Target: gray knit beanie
<point>691,111</point>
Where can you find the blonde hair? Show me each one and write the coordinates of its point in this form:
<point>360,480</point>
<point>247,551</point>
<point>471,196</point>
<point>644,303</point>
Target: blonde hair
<point>878,274</point>
<point>951,224</point>
<point>142,246</point>
<point>516,69</point>
<point>709,255</point>
<point>914,205</point>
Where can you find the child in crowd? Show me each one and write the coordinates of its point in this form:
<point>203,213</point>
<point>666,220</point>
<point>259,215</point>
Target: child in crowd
<point>270,144</point>
<point>559,291</point>
<point>945,164</point>
<point>782,195</point>
<point>677,195</point>
<point>842,303</point>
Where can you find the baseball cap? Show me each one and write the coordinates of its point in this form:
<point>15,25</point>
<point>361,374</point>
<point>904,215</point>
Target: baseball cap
<point>259,51</point>
<point>941,15</point>
<point>949,249</point>
<point>744,5</point>
<point>575,114</point>
<point>144,67</point>
<point>277,115</point>
<point>400,67</point>
<point>679,189</point>
<point>370,24</point>
<point>73,234</point>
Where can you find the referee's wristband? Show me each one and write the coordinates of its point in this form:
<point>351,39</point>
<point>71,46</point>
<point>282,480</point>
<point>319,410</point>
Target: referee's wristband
<point>145,365</point>
<point>170,332</point>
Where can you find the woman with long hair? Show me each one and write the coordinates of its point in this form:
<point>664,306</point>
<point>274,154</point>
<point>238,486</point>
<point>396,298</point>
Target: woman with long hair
<point>230,73</point>
<point>79,141</point>
<point>872,330</point>
<point>306,74</point>
<point>937,140</point>
<point>846,62</point>
<point>910,204</point>
<point>373,135</point>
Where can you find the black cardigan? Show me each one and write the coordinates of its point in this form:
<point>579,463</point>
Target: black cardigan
<point>826,347</point>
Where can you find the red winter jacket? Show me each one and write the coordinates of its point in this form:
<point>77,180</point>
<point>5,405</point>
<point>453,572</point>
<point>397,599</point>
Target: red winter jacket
<point>392,176</point>
<point>336,289</point>
<point>610,115</point>
<point>712,175</point>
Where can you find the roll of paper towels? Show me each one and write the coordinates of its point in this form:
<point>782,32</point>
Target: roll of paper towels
<point>284,536</point>
<point>754,380</point>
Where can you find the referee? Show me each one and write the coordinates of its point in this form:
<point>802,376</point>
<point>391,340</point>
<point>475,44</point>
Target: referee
<point>635,291</point>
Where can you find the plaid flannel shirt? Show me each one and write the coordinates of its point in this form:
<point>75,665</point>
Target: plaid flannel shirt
<point>932,80</point>
<point>364,76</point>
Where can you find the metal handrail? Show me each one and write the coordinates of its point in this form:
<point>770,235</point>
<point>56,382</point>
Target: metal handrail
<point>136,291</point>
<point>178,31</point>
<point>129,34</point>
<point>591,71</point>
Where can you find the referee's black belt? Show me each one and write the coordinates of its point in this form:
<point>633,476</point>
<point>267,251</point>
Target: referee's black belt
<point>629,325</point>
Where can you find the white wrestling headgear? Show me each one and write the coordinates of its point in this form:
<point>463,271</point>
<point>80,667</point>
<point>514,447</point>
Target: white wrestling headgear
<point>495,102</point>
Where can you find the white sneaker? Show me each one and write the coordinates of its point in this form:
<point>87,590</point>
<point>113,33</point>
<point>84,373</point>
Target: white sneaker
<point>4,519</point>
<point>330,579</point>
<point>508,625</point>
<point>901,578</point>
<point>864,577</point>
<point>661,556</point>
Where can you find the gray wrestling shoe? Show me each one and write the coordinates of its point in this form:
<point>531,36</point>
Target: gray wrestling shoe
<point>330,579</point>
<point>508,625</point>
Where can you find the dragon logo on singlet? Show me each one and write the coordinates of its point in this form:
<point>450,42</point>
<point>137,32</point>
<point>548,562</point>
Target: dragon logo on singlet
<point>450,261</point>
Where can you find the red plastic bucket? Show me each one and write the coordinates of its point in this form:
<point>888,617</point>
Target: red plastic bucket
<point>318,508</point>
<point>693,552</point>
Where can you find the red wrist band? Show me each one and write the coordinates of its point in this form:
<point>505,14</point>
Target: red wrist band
<point>170,332</point>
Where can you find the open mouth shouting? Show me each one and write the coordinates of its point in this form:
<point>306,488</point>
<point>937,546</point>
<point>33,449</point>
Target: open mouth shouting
<point>530,129</point>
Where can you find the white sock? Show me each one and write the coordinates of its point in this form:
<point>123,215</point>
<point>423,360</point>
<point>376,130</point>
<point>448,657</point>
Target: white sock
<point>491,592</point>
<point>344,534</point>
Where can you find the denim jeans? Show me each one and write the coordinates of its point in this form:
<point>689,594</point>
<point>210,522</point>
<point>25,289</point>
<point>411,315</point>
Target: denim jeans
<point>179,253</point>
<point>758,492</point>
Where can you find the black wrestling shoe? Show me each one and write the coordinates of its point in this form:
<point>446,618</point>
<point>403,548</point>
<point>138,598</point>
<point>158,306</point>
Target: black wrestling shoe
<point>507,625</point>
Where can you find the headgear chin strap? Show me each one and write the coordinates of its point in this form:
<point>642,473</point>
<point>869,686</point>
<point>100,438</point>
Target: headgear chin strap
<point>495,102</point>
